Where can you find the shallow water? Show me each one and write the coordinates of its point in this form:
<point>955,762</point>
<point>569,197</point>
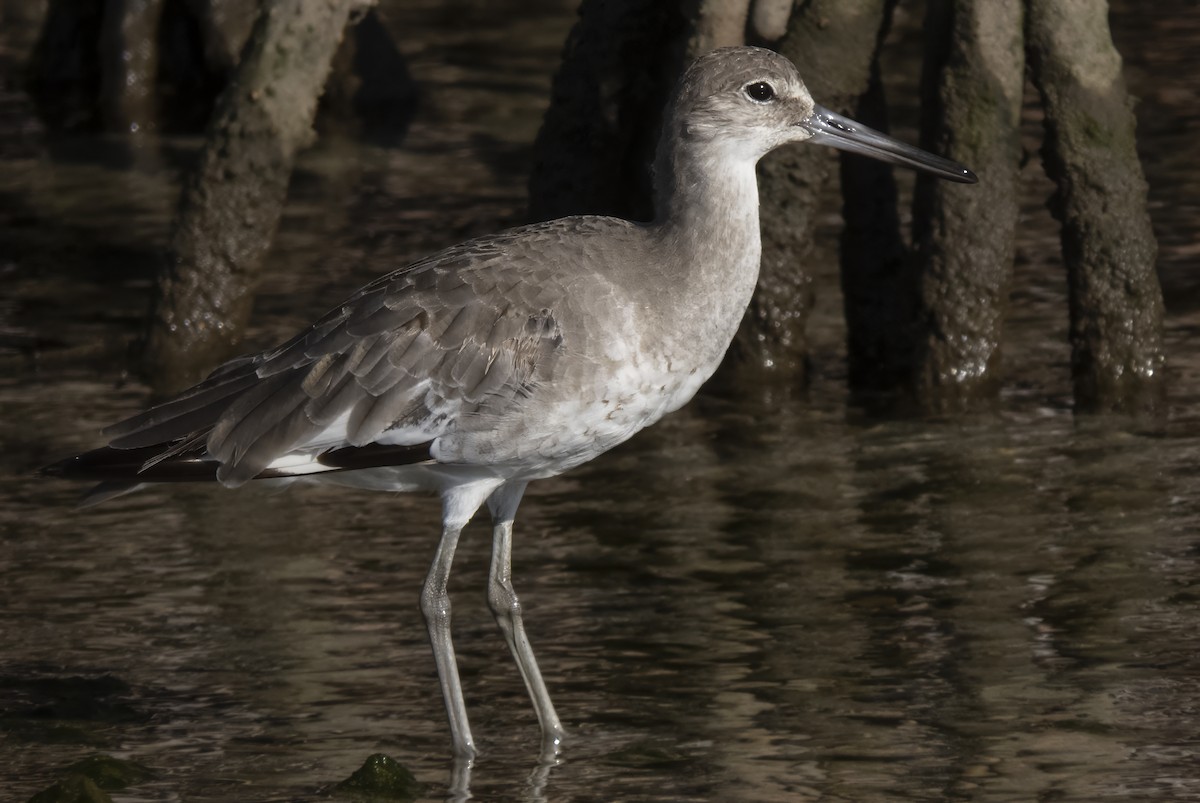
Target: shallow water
<point>763,598</point>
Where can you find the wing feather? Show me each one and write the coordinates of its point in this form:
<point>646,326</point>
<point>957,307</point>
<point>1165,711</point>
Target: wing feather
<point>373,415</point>
<point>335,402</point>
<point>370,352</point>
<point>184,414</point>
<point>240,425</point>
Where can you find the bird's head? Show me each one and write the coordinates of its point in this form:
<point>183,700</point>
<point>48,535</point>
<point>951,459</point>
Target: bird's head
<point>747,101</point>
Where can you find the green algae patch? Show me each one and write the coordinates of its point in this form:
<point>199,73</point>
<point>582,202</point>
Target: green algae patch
<point>75,788</point>
<point>380,778</point>
<point>90,780</point>
<point>110,773</point>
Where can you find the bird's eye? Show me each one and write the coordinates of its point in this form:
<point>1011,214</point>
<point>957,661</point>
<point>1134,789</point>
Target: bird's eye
<point>760,92</point>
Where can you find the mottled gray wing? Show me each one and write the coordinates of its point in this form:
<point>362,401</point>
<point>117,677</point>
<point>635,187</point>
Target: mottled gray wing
<point>464,332</point>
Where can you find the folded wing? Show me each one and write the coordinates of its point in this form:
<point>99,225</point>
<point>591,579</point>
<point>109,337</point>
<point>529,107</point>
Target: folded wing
<point>463,333</point>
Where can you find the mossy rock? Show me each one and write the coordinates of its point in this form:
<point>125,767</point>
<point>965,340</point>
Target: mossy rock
<point>381,778</point>
<point>111,773</point>
<point>75,788</point>
<point>90,780</point>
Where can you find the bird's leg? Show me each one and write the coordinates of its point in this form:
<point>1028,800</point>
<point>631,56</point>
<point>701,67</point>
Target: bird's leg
<point>502,599</point>
<point>435,605</point>
<point>458,505</point>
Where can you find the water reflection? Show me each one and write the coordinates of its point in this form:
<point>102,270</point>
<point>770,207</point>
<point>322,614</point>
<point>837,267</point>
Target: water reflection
<point>769,599</point>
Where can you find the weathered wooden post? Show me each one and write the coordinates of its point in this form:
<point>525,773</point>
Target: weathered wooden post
<point>1108,246</point>
<point>233,200</point>
<point>964,236</point>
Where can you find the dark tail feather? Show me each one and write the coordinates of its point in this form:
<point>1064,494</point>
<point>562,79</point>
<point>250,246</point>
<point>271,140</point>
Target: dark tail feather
<point>107,464</point>
<point>122,471</point>
<point>147,464</point>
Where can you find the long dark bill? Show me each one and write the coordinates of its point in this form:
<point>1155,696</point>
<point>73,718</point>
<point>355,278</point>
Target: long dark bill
<point>836,131</point>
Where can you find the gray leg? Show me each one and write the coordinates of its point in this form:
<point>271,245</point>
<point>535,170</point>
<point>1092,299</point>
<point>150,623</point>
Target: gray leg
<point>502,599</point>
<point>458,505</point>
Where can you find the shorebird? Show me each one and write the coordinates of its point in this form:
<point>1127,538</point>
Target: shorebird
<point>510,357</point>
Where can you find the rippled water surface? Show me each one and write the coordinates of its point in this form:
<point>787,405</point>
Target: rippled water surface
<point>764,598</point>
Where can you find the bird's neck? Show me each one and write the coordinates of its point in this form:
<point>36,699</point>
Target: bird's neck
<point>706,204</point>
<point>707,187</point>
